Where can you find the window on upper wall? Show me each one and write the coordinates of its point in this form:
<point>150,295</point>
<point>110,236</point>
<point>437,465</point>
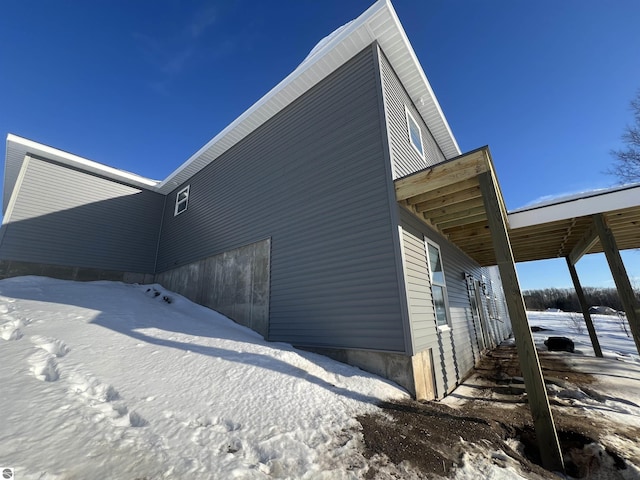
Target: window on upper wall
<point>414,133</point>
<point>182,201</point>
<point>438,285</point>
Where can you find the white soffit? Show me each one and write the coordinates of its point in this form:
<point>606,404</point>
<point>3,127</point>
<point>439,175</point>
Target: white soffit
<point>379,23</point>
<point>18,148</point>
<point>588,203</point>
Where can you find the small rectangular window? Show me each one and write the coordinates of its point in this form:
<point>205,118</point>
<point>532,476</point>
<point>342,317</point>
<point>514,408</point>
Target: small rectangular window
<point>182,201</point>
<point>415,135</point>
<point>438,286</point>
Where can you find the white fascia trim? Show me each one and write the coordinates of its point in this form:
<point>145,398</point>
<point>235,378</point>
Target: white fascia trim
<point>331,42</point>
<point>588,204</point>
<point>422,95</point>
<point>82,163</point>
<point>423,77</point>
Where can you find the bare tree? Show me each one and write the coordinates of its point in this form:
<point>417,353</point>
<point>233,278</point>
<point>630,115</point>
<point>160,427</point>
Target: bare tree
<point>626,164</point>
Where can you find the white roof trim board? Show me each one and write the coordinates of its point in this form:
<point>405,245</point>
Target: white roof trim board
<point>378,23</point>
<point>18,148</point>
<point>577,205</point>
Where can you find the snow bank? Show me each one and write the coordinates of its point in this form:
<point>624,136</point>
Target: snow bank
<point>107,380</point>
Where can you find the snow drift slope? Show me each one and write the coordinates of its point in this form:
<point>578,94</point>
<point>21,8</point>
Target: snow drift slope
<point>107,380</point>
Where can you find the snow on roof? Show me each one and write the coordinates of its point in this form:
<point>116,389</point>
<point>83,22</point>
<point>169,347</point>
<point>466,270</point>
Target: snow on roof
<point>379,23</point>
<point>570,205</point>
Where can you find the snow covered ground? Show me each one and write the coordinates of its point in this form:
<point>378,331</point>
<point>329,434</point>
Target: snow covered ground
<point>612,331</point>
<point>114,381</point>
<point>106,380</point>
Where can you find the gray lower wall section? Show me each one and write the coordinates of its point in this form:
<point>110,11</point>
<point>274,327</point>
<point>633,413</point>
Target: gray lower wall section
<point>63,216</point>
<point>234,283</point>
<point>14,268</point>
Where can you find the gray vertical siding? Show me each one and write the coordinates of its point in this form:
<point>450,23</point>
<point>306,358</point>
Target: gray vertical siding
<point>63,216</point>
<point>455,350</point>
<point>405,159</point>
<point>313,179</point>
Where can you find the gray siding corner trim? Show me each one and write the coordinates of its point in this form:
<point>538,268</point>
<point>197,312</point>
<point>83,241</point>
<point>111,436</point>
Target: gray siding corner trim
<point>83,220</point>
<point>393,209</point>
<point>314,179</point>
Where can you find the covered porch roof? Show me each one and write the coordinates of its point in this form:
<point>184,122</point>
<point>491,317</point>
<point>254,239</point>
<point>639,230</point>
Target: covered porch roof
<point>448,197</point>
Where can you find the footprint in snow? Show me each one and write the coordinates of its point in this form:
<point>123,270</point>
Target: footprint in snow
<point>11,330</point>
<point>44,366</point>
<point>105,400</point>
<point>52,345</point>
<point>91,388</point>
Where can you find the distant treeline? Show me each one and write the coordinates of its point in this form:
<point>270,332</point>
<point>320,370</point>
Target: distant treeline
<point>566,299</point>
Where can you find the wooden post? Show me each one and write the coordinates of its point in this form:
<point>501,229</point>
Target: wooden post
<point>529,362</point>
<point>585,308</point>
<point>620,277</point>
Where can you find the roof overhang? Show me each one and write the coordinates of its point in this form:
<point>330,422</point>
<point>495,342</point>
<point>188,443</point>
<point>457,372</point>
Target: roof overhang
<point>379,24</point>
<point>563,228</point>
<point>448,198</point>
<point>18,148</point>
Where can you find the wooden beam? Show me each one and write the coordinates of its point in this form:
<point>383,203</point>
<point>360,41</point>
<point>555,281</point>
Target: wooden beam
<point>585,244</point>
<point>431,210</point>
<point>470,227</point>
<point>471,196</point>
<point>561,226</point>
<point>477,242</point>
<point>448,215</point>
<point>441,175</point>
<point>585,308</point>
<point>456,222</point>
<point>444,191</point>
<point>620,277</point>
<point>527,353</point>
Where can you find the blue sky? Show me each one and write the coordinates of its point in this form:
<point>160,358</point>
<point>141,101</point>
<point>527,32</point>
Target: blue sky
<point>143,85</point>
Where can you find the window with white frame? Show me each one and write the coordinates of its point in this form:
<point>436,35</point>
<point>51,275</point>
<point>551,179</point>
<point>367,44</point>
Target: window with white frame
<point>414,132</point>
<point>438,285</point>
<point>182,201</point>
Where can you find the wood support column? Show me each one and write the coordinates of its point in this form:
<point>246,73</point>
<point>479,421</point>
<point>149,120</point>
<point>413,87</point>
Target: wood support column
<point>528,356</point>
<point>585,308</point>
<point>620,277</point>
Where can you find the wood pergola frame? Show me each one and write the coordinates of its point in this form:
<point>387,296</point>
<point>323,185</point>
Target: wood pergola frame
<point>461,199</point>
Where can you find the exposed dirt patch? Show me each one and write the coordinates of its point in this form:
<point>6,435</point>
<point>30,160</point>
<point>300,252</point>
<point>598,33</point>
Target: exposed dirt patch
<point>428,436</point>
<point>431,436</point>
